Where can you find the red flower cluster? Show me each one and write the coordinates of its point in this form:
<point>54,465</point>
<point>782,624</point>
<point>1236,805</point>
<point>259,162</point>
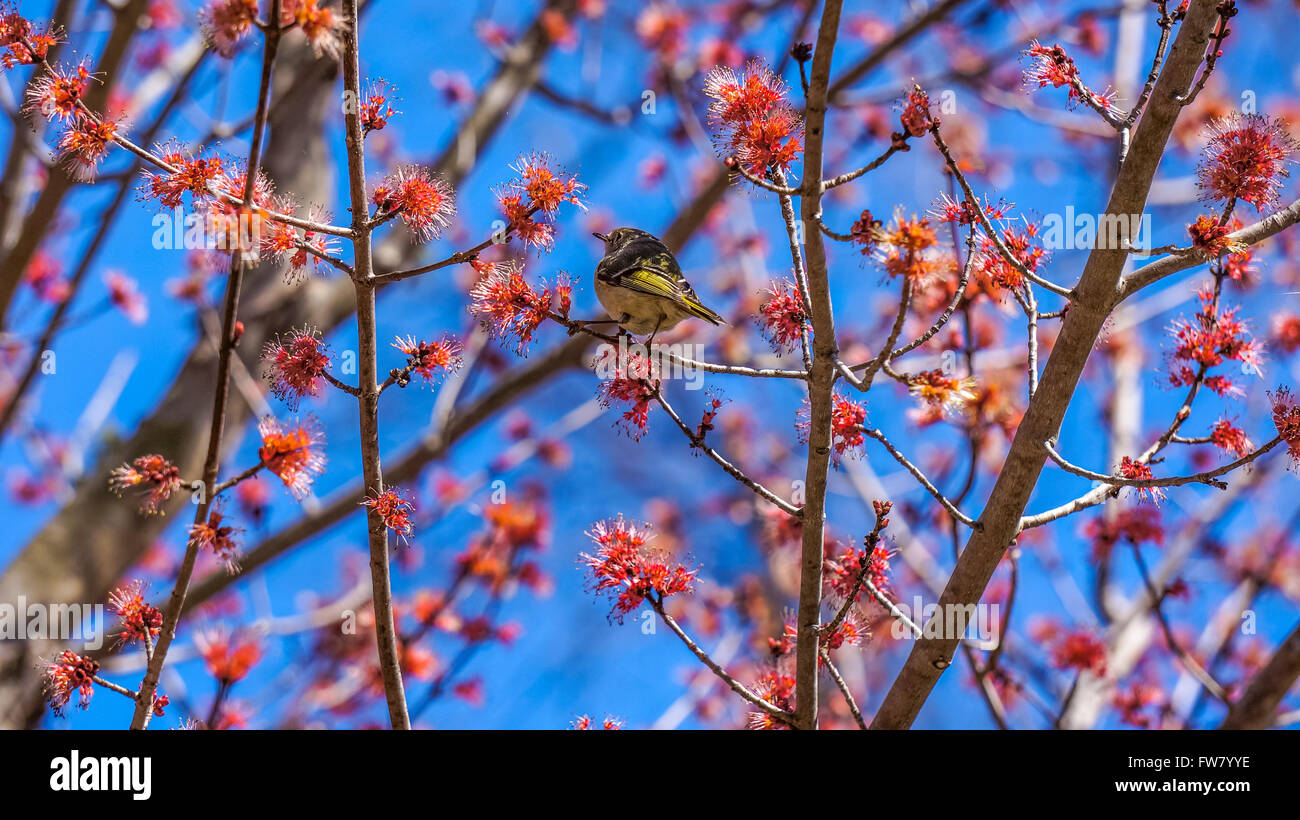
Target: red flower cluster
<point>848,633</point>
<point>948,393</point>
<point>663,28</point>
<point>44,276</point>
<point>471,691</point>
<point>711,408</point>
<point>16,33</point>
<point>430,360</point>
<point>155,477</point>
<point>910,248</point>
<point>481,629</point>
<point>1230,439</point>
<point>777,688</point>
<point>1211,337</point>
<point>297,364</point>
<point>1286,418</point>
<point>1137,525</point>
<point>624,569</point>
<point>545,188</point>
<point>878,567</point>
<point>1025,247</point>
<point>70,673</point>
<point>1246,158</point>
<point>376,110</point>
<point>124,294</point>
<point>196,175</point>
<point>215,185</point>
<point>226,22</point>
<point>56,94</point>
<point>634,381</point>
<point>962,212</point>
<point>538,189</point>
<point>395,510</point>
<point>916,118</point>
<point>1286,332</point>
<point>320,23</point>
<point>253,498</point>
<point>842,572</point>
<point>584,723</point>
<point>1080,650</point>
<point>229,657</point>
<point>1210,236</point>
<point>84,145</point>
<point>218,537</point>
<point>1052,66</point>
<point>784,645</point>
<point>512,526</point>
<point>281,240</point>
<point>507,306</point>
<point>424,202</point>
<point>1137,471</point>
<point>752,117</point>
<point>781,316</point>
<point>1132,701</point>
<point>292,451</point>
<point>866,232</point>
<point>847,420</point>
<point>139,618</point>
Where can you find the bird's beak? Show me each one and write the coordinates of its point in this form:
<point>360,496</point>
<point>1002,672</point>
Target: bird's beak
<point>600,236</point>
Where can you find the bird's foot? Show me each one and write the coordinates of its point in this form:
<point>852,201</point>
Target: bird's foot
<point>576,325</point>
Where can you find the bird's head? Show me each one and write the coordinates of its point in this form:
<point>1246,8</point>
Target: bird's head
<point>620,238</point>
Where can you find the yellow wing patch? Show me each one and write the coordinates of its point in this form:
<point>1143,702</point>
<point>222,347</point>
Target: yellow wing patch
<point>651,281</point>
<point>659,281</point>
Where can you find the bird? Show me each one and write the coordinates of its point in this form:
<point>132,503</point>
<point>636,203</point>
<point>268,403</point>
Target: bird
<point>641,286</point>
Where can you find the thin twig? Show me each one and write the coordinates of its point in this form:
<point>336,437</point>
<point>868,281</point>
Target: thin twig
<point>1207,477</point>
<point>735,166</point>
<point>144,703</point>
<point>733,684</point>
<point>993,234</point>
<point>368,384</point>
<point>920,476</point>
<point>698,443</point>
<point>843,687</point>
<point>1189,663</point>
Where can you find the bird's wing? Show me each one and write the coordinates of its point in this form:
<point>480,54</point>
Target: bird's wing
<point>659,275</point>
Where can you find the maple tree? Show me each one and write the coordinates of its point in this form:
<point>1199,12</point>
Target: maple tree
<point>943,343</point>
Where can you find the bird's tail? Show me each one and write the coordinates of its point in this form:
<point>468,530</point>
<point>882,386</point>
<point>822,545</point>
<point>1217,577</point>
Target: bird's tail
<point>696,308</point>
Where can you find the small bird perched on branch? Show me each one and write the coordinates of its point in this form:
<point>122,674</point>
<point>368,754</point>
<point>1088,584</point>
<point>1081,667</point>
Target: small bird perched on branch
<point>642,287</point>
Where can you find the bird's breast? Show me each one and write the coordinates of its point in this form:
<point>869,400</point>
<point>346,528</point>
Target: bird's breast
<point>644,311</point>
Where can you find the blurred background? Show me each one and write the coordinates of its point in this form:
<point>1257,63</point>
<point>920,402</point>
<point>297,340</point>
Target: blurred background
<point>518,452</point>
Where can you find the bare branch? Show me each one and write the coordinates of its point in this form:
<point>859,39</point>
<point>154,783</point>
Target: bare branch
<point>1257,706</point>
<point>733,684</point>
<point>1207,477</point>
<point>1248,236</point>
<point>731,470</point>
<point>212,461</point>
<point>843,687</point>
